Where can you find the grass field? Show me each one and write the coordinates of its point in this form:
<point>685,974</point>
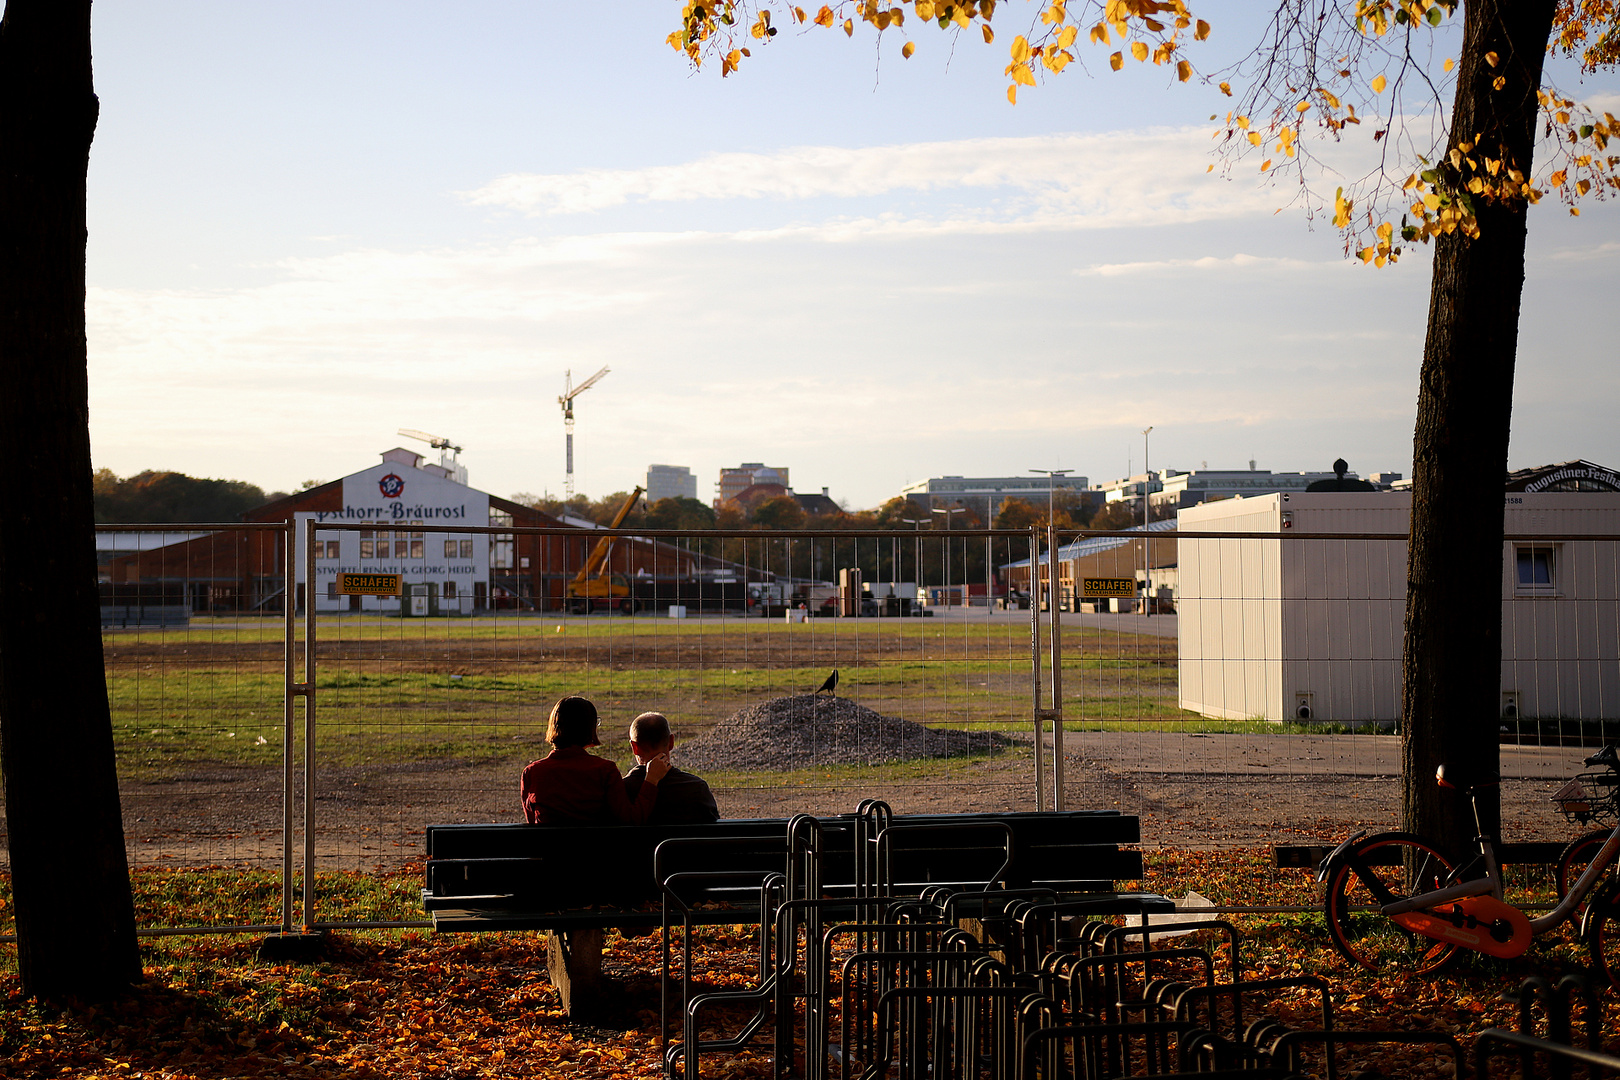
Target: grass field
<point>419,689</point>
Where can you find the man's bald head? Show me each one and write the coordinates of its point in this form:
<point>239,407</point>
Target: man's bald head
<point>650,735</point>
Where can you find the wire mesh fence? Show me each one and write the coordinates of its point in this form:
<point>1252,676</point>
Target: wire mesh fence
<point>1230,688</point>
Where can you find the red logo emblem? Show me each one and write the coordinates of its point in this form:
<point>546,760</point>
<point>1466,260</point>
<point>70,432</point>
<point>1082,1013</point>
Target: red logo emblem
<point>391,486</point>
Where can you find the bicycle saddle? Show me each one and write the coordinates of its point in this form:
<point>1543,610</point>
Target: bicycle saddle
<point>1605,756</point>
<point>1451,778</point>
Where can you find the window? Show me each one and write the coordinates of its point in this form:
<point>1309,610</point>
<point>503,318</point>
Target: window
<point>466,549</point>
<point>366,534</point>
<point>416,548</point>
<point>368,548</point>
<point>333,549</point>
<point>449,551</point>
<point>1534,568</point>
<point>331,590</point>
<point>449,592</point>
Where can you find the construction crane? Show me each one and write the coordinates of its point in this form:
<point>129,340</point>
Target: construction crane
<point>592,583</point>
<point>570,392</point>
<point>447,452</point>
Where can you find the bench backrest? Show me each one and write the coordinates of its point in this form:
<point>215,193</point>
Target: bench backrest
<point>561,866</point>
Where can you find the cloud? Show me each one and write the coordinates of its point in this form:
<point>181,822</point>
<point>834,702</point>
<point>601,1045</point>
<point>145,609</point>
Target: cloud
<point>1238,261</point>
<point>1121,178</point>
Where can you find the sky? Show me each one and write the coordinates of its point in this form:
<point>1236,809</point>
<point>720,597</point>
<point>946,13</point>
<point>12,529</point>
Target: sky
<point>312,225</point>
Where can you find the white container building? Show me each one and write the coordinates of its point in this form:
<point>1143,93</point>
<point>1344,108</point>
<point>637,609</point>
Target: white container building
<point>1292,629</point>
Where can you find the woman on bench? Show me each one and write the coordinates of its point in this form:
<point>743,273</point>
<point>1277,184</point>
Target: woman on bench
<point>571,787</point>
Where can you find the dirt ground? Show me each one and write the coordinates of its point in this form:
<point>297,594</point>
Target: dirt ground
<point>1190,791</point>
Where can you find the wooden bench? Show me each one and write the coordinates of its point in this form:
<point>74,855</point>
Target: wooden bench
<point>574,882</point>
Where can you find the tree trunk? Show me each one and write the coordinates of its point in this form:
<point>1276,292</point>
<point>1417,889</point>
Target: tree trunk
<point>70,880</point>
<point>1452,671</point>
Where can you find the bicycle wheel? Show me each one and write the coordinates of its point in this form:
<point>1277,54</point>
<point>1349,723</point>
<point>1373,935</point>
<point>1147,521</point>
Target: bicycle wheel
<point>1577,854</point>
<point>1603,933</point>
<point>1378,870</point>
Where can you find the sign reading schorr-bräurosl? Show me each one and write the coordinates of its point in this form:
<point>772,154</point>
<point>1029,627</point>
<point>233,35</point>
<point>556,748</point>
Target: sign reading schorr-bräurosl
<point>396,493</point>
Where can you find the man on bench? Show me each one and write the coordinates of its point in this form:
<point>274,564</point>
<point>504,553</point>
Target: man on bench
<point>682,799</point>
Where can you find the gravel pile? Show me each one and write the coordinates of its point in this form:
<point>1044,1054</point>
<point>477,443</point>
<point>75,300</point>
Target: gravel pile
<point>795,732</point>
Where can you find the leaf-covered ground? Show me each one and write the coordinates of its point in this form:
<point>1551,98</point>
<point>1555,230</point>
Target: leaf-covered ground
<point>413,1004</point>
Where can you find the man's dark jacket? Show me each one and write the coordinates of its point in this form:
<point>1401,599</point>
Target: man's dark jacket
<point>683,799</point>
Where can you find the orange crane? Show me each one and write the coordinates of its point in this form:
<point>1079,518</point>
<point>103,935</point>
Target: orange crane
<point>593,584</point>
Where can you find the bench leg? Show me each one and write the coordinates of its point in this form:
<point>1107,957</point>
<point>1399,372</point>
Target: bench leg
<point>574,962</point>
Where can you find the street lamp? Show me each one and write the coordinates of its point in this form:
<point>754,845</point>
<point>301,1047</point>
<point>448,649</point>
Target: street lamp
<point>1052,476</point>
<point>916,560</point>
<point>1147,544</point>
<point>945,554</point>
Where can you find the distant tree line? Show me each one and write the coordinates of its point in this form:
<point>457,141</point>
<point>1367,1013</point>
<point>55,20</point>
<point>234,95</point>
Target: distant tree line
<point>942,550</point>
<point>153,497</point>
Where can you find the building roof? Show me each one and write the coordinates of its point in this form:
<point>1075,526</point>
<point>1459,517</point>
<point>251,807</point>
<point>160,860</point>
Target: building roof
<point>1569,476</point>
<point>1096,545</point>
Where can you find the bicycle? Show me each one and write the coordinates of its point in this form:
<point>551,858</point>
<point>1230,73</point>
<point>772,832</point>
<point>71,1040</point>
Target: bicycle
<point>1394,901</point>
<point>1589,797</point>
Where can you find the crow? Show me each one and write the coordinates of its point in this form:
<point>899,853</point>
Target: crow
<point>830,685</point>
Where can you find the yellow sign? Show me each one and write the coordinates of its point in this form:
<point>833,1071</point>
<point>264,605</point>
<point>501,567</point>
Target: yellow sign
<point>368,584</point>
<point>1108,586</point>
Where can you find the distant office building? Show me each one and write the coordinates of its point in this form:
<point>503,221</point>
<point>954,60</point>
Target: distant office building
<point>985,494</point>
<point>670,482</point>
<point>1174,489</point>
<point>734,482</point>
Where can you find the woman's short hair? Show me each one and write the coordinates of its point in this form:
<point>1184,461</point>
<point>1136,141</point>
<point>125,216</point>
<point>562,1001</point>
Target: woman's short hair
<point>573,723</point>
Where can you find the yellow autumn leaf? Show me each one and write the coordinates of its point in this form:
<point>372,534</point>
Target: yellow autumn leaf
<point>1303,106</point>
<point>1431,200</point>
<point>849,27</point>
<point>907,49</point>
<point>1022,74</point>
<point>825,16</point>
<point>1266,164</point>
<point>989,34</point>
<point>1557,179</point>
<point>1329,97</point>
<point>1341,209</point>
<point>1499,82</point>
<point>1449,64</point>
<point>1209,168</point>
<point>1139,50</point>
<point>1492,59</point>
<point>1255,139</point>
<point>1201,31</point>
<point>1012,94</point>
<point>1066,37</point>
<point>1116,61</point>
<point>1183,71</point>
<point>1020,49</point>
<point>1378,85</point>
<point>925,9</point>
<point>1226,88</point>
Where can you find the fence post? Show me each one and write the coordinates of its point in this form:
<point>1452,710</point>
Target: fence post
<point>309,722</point>
<point>1057,666</point>
<point>1035,663</point>
<point>290,692</point>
